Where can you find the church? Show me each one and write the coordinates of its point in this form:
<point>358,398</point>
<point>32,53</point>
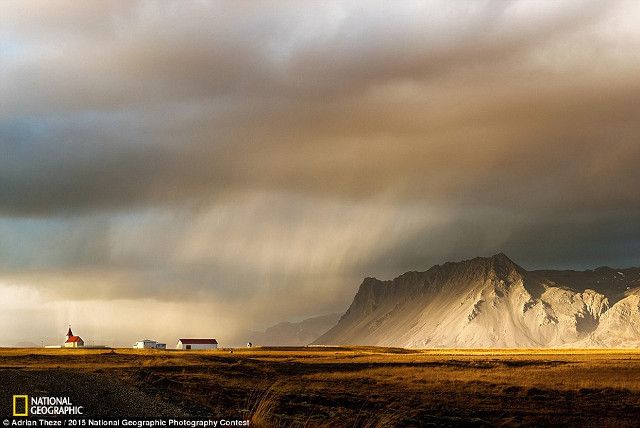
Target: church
<point>73,341</point>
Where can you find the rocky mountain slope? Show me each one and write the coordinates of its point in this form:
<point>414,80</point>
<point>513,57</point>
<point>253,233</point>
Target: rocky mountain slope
<point>295,334</point>
<point>493,302</point>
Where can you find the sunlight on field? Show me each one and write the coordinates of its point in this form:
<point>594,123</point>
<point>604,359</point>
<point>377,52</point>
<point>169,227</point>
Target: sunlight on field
<point>286,385</point>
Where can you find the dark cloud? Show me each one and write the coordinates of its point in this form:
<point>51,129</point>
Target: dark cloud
<point>427,101</point>
<point>252,153</point>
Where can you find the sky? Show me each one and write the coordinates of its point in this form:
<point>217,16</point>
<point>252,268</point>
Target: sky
<point>193,168</point>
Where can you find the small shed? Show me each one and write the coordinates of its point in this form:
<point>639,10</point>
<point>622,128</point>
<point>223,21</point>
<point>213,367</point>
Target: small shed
<point>149,344</point>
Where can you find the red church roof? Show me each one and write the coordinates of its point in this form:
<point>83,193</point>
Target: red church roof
<point>73,339</point>
<point>199,341</point>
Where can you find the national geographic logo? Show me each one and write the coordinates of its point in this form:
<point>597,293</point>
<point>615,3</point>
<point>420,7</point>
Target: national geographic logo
<point>23,405</point>
<point>20,405</point>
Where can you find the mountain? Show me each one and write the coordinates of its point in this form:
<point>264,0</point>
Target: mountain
<point>295,334</point>
<point>619,327</point>
<point>492,302</point>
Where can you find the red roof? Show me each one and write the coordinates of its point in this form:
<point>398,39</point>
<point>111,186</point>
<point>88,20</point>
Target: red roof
<point>74,339</point>
<point>198,341</point>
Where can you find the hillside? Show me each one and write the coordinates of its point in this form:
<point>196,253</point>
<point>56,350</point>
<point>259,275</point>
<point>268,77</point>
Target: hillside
<point>493,302</point>
<point>295,333</point>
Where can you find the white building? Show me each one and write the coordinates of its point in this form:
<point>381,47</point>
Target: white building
<point>189,344</point>
<point>149,344</point>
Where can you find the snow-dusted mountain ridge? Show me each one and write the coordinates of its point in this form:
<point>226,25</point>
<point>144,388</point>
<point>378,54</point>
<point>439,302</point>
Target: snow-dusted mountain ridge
<point>492,302</point>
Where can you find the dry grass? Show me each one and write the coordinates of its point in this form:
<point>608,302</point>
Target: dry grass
<point>372,387</point>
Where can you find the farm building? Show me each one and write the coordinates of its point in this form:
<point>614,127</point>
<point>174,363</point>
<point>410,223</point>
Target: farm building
<point>197,344</point>
<point>73,341</point>
<point>149,344</point>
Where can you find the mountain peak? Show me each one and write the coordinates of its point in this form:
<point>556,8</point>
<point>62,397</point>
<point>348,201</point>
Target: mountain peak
<point>497,259</point>
<point>501,256</point>
<point>504,267</point>
<point>501,259</point>
<point>500,264</point>
<point>492,302</point>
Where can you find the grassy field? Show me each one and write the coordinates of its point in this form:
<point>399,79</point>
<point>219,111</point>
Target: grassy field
<point>361,387</point>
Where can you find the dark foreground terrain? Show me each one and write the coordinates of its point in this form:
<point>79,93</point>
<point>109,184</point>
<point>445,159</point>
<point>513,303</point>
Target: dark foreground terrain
<point>354,387</point>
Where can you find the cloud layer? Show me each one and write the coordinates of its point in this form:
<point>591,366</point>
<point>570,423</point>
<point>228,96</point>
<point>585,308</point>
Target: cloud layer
<point>264,157</point>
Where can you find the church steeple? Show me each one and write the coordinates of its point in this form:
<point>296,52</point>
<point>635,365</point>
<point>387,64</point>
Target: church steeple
<point>69,333</point>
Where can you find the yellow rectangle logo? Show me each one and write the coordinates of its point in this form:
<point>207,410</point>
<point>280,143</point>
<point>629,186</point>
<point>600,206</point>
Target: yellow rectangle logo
<point>16,400</point>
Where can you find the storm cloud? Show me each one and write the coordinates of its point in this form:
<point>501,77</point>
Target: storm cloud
<point>264,157</point>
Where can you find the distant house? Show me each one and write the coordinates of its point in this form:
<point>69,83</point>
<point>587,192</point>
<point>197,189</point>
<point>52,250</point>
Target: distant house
<point>149,344</point>
<point>189,344</point>
<point>73,341</point>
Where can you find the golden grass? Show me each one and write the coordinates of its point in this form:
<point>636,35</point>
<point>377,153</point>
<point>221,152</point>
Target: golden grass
<point>371,387</point>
